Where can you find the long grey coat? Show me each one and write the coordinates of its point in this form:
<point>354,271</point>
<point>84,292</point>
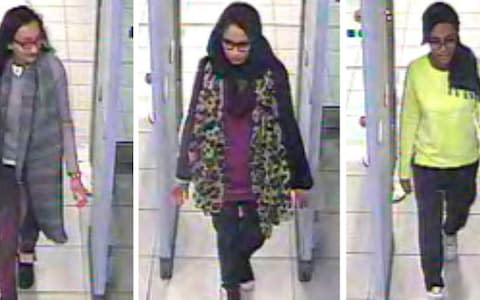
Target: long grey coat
<point>40,145</point>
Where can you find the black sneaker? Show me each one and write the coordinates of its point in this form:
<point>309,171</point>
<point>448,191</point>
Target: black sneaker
<point>26,275</point>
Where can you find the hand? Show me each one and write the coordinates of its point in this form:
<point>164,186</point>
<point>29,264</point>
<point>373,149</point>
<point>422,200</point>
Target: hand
<point>406,185</point>
<point>179,194</point>
<point>299,198</point>
<point>192,156</point>
<point>80,193</point>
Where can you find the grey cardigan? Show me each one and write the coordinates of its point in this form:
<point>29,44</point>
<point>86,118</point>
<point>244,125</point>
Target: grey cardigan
<point>45,123</point>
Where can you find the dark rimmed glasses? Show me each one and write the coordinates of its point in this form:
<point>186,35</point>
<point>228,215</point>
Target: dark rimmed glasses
<point>448,43</point>
<point>240,46</point>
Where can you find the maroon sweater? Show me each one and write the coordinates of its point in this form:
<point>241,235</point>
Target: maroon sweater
<point>237,157</point>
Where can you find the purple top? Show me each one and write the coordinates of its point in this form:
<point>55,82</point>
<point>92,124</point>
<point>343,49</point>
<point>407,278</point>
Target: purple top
<point>237,157</point>
<point>298,165</point>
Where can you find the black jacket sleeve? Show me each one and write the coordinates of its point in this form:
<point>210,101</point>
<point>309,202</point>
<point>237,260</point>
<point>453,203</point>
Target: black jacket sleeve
<point>301,177</point>
<point>183,168</point>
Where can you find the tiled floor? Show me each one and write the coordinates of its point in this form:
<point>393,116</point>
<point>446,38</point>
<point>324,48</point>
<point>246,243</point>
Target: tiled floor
<point>196,273</point>
<point>407,280</point>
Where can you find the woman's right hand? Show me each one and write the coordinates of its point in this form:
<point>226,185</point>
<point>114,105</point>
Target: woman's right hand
<point>298,198</point>
<point>179,194</point>
<point>80,193</point>
<point>406,185</point>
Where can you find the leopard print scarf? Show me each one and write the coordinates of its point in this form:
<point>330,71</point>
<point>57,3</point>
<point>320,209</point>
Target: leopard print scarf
<point>268,165</point>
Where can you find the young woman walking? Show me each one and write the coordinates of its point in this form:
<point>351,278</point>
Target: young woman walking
<point>438,139</point>
<point>241,146</point>
<point>36,134</point>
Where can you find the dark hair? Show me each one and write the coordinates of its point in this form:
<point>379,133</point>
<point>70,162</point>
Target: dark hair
<point>438,12</point>
<point>14,19</point>
<point>244,16</point>
<point>463,74</point>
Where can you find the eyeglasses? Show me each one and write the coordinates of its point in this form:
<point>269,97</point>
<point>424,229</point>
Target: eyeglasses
<point>28,45</point>
<point>449,43</point>
<point>231,45</point>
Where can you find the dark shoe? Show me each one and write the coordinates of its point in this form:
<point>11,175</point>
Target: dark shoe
<point>26,275</point>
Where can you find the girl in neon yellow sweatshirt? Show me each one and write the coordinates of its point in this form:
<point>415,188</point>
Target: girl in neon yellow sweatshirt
<point>439,145</point>
<point>438,125</point>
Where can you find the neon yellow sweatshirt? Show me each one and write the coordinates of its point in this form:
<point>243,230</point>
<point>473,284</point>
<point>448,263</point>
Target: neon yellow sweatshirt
<point>438,127</point>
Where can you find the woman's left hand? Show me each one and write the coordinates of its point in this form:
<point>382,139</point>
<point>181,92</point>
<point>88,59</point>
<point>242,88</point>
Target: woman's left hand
<point>299,198</point>
<point>80,193</point>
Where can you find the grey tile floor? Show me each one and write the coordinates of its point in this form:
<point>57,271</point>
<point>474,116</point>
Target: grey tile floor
<point>196,268</point>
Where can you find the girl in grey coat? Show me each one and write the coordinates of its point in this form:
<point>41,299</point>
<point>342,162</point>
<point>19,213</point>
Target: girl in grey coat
<point>36,133</point>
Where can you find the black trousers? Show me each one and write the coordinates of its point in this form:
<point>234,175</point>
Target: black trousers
<point>238,237</point>
<point>459,187</point>
<point>9,228</point>
<point>29,229</point>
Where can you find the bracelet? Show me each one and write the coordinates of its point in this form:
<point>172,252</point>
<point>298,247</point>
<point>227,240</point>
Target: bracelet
<point>74,175</point>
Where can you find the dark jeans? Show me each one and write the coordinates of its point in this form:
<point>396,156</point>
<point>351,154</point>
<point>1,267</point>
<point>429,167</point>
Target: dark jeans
<point>238,237</point>
<point>459,189</point>
<point>29,229</point>
<point>9,227</point>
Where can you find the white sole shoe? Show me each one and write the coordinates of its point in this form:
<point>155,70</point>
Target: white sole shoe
<point>450,247</point>
<point>248,286</point>
<point>436,292</point>
<point>223,294</point>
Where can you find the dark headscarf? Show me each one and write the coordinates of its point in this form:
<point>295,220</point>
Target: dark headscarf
<point>239,80</point>
<point>463,73</point>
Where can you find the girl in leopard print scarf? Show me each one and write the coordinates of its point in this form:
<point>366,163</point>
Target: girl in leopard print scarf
<point>241,146</point>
